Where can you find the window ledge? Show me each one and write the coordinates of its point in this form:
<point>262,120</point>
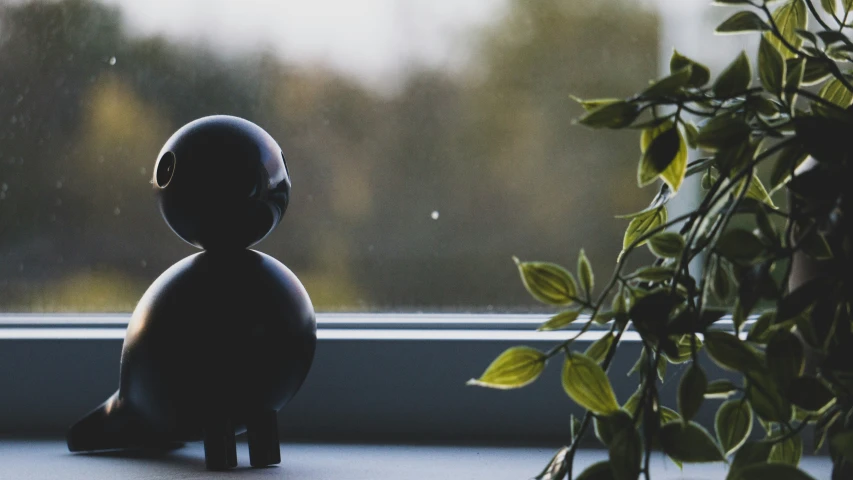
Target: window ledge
<point>48,459</point>
<point>376,377</point>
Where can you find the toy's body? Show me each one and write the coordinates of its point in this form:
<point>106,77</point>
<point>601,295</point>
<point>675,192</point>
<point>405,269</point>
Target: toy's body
<point>224,338</point>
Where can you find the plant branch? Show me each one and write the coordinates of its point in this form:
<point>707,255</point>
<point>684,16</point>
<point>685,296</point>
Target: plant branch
<point>817,16</point>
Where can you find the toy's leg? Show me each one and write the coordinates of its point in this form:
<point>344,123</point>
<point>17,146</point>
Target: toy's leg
<point>220,447</point>
<point>262,430</point>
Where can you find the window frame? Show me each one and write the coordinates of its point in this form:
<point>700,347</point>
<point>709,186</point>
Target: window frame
<point>376,377</point>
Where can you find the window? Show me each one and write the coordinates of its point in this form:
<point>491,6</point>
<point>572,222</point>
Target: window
<point>428,143</point>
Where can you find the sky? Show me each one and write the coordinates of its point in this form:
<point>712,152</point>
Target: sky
<point>373,40</point>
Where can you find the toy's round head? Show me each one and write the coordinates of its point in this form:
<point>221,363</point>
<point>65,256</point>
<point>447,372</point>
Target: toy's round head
<point>222,183</point>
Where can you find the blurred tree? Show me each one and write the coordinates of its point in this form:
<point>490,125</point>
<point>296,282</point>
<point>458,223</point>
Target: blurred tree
<point>86,107</point>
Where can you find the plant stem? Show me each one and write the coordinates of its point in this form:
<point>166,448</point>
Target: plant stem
<point>614,279</point>
<point>792,431</point>
<point>817,16</point>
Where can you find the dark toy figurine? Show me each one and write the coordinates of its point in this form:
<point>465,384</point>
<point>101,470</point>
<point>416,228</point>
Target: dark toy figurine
<point>223,338</point>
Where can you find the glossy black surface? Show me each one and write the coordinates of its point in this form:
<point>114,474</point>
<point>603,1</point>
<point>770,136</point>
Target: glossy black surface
<point>224,338</point>
<point>221,182</point>
<point>217,337</point>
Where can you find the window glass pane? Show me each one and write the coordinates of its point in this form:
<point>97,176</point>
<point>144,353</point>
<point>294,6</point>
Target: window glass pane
<point>428,141</point>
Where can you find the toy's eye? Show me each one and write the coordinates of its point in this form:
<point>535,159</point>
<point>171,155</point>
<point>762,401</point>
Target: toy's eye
<point>165,169</point>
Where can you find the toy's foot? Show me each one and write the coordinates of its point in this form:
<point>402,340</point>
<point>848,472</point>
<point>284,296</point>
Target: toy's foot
<point>264,449</point>
<point>220,447</point>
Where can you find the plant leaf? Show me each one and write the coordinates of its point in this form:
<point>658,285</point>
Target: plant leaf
<point>816,71</point>
<point>751,453</point>
<point>669,85</point>
<point>809,393</point>
<point>548,282</point>
<point>735,79</point>
<point>595,103</point>
<point>598,350</point>
<point>597,471</point>
<point>619,114</point>
<point>771,67</point>
<point>654,274</point>
<point>835,92</point>
<point>788,451</point>
<point>796,69</point>
<point>720,282</point>
<point>559,320</point>
<point>789,18</point>
<point>788,160</point>
<point>642,224</point>
<point>757,191</point>
<point>514,368</point>
<point>626,454</point>
<point>742,22</point>
<point>731,353</point>
<point>691,391</point>
<point>585,272</point>
<point>723,131</point>
<point>606,427</point>
<point>766,399</point>
<point>688,443</point>
<point>733,424</point>
<point>667,244</point>
<point>760,330</point>
<point>720,389</point>
<point>699,74</point>
<point>785,357</point>
<point>664,153</point>
<point>842,444</point>
<point>829,6</point>
<point>587,384</point>
<point>740,246</point>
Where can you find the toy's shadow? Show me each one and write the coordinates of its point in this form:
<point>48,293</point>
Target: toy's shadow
<point>187,461</point>
<point>168,455</point>
<point>176,456</point>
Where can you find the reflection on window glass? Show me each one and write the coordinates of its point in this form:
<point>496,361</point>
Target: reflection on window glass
<point>428,141</point>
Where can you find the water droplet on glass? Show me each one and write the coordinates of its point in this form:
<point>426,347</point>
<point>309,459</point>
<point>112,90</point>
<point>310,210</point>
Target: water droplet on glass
<point>20,267</point>
<point>59,184</point>
<point>112,60</point>
<point>143,263</point>
<point>100,159</point>
<point>52,217</point>
<point>2,195</point>
<point>116,211</point>
<point>58,202</point>
<point>13,120</point>
<point>142,171</point>
<point>434,215</point>
<point>4,187</point>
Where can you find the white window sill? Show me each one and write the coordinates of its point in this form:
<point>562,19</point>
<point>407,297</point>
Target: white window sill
<point>48,460</point>
<point>383,378</point>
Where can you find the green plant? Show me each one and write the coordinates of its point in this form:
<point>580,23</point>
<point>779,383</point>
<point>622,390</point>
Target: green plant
<point>736,252</point>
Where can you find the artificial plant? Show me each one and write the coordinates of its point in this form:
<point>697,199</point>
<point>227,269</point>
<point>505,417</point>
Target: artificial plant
<point>783,273</point>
